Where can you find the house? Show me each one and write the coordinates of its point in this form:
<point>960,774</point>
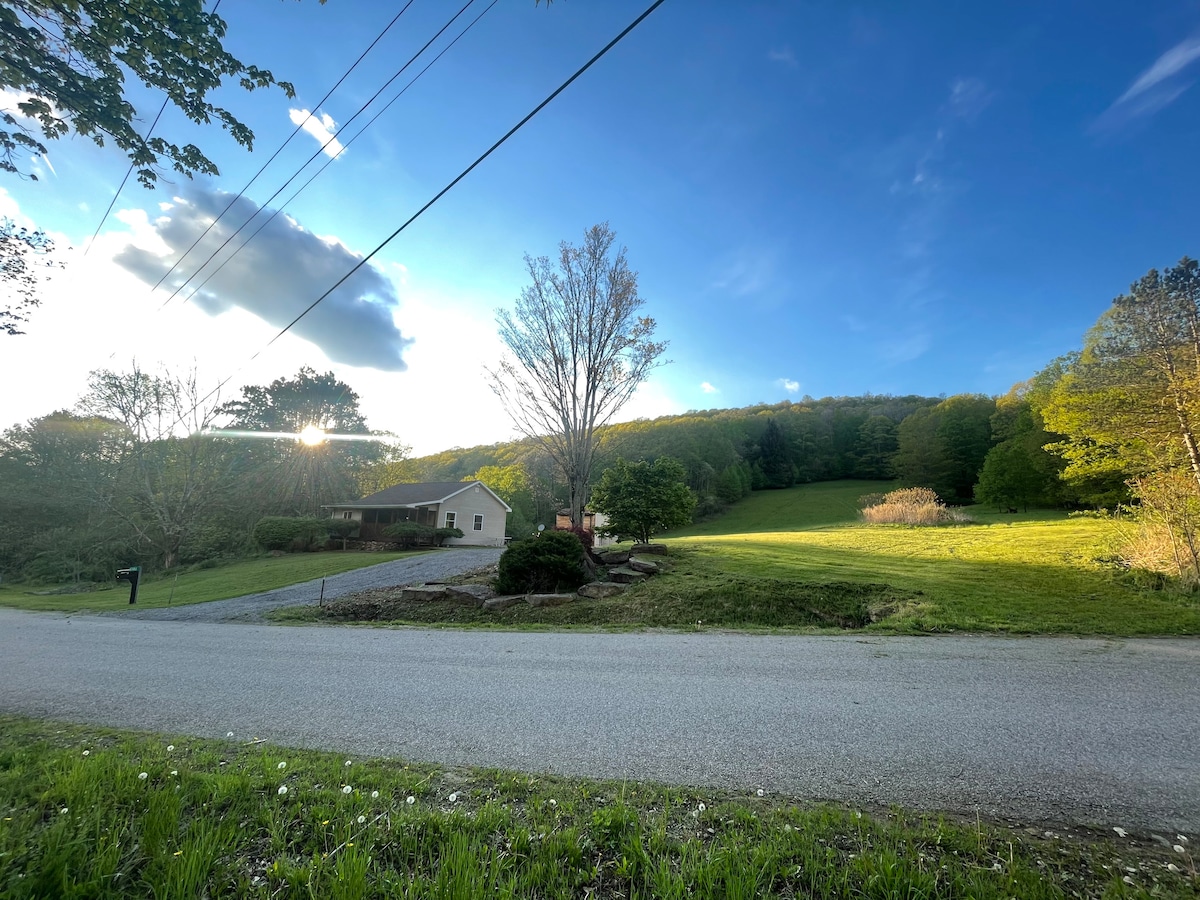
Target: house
<point>467,505</point>
<point>592,522</point>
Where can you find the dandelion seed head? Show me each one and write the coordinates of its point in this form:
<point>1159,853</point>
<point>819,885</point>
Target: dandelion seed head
<point>170,747</point>
<point>374,795</point>
<point>282,790</point>
<point>702,807</point>
<point>64,811</point>
<point>759,792</point>
<point>411,800</point>
<point>282,765</point>
<point>143,776</point>
<point>229,734</point>
<point>553,802</point>
<point>87,752</point>
<point>346,789</point>
<point>453,798</point>
<point>347,762</point>
<point>361,819</point>
<point>174,771</point>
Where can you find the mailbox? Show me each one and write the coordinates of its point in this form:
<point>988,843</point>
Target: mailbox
<point>132,574</point>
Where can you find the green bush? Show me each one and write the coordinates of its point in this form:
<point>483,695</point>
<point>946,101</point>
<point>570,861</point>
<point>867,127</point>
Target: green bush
<point>291,532</point>
<point>409,534</point>
<point>549,563</point>
<point>440,535</point>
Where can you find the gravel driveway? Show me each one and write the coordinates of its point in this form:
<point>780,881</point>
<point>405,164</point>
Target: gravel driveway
<point>428,567</point>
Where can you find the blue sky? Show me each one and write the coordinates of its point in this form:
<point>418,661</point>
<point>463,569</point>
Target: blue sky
<point>820,199</point>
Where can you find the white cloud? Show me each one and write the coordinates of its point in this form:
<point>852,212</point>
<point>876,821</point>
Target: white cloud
<point>708,388</point>
<point>792,387</point>
<point>321,126</point>
<point>968,97</point>
<point>783,55</point>
<point>1155,89</point>
<point>278,274</point>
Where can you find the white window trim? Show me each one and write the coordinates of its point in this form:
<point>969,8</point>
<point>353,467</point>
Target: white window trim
<point>451,520</point>
<point>477,522</point>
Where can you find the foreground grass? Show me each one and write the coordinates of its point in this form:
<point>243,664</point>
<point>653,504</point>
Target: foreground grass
<point>236,579</point>
<point>88,812</point>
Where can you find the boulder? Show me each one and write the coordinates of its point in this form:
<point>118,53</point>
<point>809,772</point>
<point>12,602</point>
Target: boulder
<point>601,590</point>
<point>495,604</point>
<point>469,594</point>
<point>536,600</point>
<point>424,593</point>
<point>624,575</point>
<point>614,557</point>
<point>657,549</point>
<point>645,566</point>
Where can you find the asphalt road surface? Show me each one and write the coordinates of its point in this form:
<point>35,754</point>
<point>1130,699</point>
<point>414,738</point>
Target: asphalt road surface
<point>250,608</point>
<point>1040,729</point>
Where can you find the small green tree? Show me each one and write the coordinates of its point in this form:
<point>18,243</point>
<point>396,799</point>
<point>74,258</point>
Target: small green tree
<point>343,528</point>
<point>553,561</point>
<point>641,500</point>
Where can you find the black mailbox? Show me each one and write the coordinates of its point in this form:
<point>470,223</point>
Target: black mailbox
<point>132,574</point>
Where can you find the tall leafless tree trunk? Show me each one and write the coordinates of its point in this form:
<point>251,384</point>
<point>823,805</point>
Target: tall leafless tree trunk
<point>578,351</point>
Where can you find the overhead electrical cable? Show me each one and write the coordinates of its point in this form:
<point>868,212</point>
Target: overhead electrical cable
<point>329,161</point>
<point>465,172</point>
<point>316,153</point>
<point>295,131</point>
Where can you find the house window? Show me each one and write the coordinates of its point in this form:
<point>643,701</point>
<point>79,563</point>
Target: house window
<point>450,519</point>
<point>347,515</point>
<point>478,526</point>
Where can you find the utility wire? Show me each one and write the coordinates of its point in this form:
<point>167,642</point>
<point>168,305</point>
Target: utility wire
<point>329,161</point>
<point>295,131</point>
<point>129,171</point>
<point>465,172</point>
<point>316,153</point>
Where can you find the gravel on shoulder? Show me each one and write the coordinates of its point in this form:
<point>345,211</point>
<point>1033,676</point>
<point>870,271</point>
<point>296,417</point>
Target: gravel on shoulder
<point>435,566</point>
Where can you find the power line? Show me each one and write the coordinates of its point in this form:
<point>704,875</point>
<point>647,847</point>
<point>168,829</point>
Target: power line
<point>465,172</point>
<point>328,162</point>
<point>295,131</point>
<point>296,174</point>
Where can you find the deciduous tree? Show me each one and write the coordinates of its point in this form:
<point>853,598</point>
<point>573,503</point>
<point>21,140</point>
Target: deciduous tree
<point>24,264</point>
<point>642,500</point>
<point>578,349</point>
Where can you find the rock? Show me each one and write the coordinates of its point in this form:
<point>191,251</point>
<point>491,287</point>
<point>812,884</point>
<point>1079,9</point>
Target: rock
<point>469,594</point>
<point>614,557</point>
<point>495,604</point>
<point>623,575</point>
<point>423,593</point>
<point>536,600</point>
<point>645,566</point>
<point>601,590</point>
<point>657,549</point>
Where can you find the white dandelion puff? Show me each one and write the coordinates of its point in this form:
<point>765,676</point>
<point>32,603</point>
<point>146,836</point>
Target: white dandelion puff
<point>282,765</point>
<point>453,798</point>
<point>760,792</point>
<point>553,802</point>
<point>374,795</point>
<point>64,811</point>
<point>347,789</point>
<point>229,734</point>
<point>282,790</point>
<point>170,747</point>
<point>143,776</point>
<point>347,762</point>
<point>174,771</point>
<point>702,807</point>
<point>411,800</point>
<point>361,819</point>
<point>87,752</point>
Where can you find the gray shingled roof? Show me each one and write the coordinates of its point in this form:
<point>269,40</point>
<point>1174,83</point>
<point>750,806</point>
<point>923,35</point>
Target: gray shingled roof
<point>406,495</point>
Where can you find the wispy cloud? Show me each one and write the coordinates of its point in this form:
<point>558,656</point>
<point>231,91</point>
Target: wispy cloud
<point>792,387</point>
<point>708,388</point>
<point>275,278</point>
<point>321,126</point>
<point>1156,88</point>
<point>968,97</point>
<point>783,55</point>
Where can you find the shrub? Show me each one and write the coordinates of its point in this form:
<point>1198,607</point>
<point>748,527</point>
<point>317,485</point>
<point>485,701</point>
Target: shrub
<point>440,535</point>
<point>551,562</point>
<point>910,506</point>
<point>409,534</point>
<point>291,532</point>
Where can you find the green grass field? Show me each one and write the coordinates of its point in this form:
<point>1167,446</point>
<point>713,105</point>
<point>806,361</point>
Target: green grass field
<point>234,580</point>
<point>1036,572</point>
<point>96,813</point>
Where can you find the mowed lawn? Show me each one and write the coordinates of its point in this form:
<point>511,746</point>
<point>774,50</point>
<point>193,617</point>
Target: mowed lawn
<point>1035,572</point>
<point>249,576</point>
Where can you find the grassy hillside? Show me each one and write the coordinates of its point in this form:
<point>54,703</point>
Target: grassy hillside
<point>249,576</point>
<point>1037,572</point>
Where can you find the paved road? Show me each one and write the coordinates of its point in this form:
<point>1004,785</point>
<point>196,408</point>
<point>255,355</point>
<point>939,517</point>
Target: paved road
<point>1091,731</point>
<point>413,570</point>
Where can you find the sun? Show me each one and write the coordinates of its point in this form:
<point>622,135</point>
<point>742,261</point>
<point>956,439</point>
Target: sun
<point>312,436</point>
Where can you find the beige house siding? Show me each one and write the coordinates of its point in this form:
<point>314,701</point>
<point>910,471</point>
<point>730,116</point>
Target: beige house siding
<point>475,501</point>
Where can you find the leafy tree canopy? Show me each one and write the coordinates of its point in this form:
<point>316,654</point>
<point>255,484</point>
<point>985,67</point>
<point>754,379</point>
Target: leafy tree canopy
<point>24,259</point>
<point>68,61</point>
<point>642,500</point>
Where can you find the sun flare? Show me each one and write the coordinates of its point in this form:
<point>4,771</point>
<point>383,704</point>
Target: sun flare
<point>312,436</point>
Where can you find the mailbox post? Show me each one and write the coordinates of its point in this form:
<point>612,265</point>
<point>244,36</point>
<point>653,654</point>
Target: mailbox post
<point>132,574</point>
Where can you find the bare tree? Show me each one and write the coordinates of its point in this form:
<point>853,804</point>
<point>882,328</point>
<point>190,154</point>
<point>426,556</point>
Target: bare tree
<point>579,349</point>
